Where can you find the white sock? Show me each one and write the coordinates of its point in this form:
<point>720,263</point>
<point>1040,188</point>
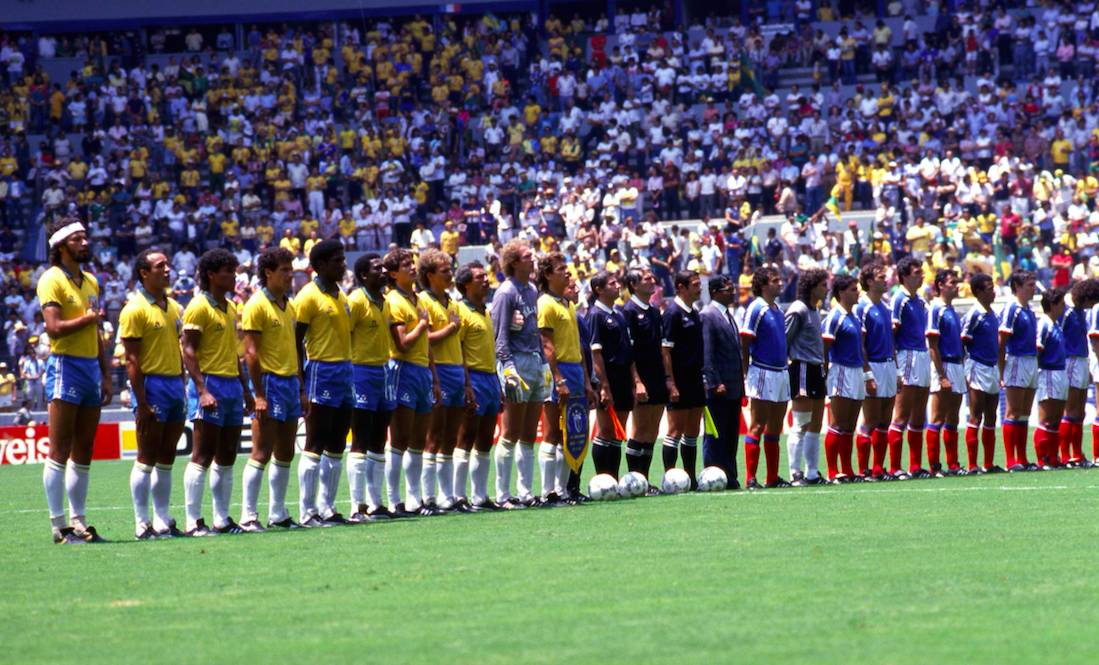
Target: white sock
<point>505,456</point>
<point>194,485</point>
<point>795,440</point>
<point>277,481</point>
<point>524,463</point>
<point>53,481</point>
<point>375,479</point>
<point>308,468</point>
<point>331,468</point>
<point>445,467</point>
<point>393,468</point>
<point>251,479</point>
<point>162,496</point>
<point>140,479</point>
<point>413,463</point>
<point>478,476</point>
<point>357,465</point>
<point>428,476</point>
<point>811,443</point>
<point>461,472</point>
<point>547,467</point>
<point>76,484</point>
<point>563,471</point>
<point>221,489</point>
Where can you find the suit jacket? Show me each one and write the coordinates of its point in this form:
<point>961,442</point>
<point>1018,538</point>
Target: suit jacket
<point>721,352</point>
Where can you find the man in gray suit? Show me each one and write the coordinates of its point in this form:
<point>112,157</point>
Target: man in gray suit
<point>724,376</point>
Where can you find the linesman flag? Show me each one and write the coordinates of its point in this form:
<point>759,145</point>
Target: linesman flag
<point>574,425</point>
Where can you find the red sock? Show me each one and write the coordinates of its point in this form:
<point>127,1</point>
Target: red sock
<point>950,444</point>
<point>1094,439</point>
<point>1022,431</point>
<point>1040,444</point>
<point>971,431</point>
<point>770,447</point>
<point>915,449</point>
<point>1009,442</point>
<point>751,456</point>
<point>988,443</point>
<point>933,433</point>
<point>879,440</point>
<point>831,452</point>
<point>1064,440</point>
<point>847,444</point>
<point>862,447</point>
<point>1077,441</point>
<point>895,437</point>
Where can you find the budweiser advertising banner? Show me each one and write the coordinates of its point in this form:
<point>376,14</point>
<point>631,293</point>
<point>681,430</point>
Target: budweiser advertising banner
<point>22,444</point>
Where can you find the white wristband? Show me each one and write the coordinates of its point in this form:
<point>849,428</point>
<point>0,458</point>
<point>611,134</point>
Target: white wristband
<point>867,376</point>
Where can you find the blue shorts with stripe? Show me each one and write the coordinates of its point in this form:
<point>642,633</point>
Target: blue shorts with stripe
<point>411,386</point>
<point>73,379</point>
<point>330,383</point>
<point>283,396</point>
<point>452,384</point>
<point>372,387</point>
<point>573,374</point>
<point>486,390</point>
<point>229,410</point>
<point>166,397</point>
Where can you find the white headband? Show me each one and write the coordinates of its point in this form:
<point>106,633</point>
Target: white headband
<point>60,235</point>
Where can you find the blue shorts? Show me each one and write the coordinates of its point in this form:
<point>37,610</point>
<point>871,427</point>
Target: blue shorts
<point>283,396</point>
<point>329,383</point>
<point>573,374</point>
<point>486,389</point>
<point>372,387</point>
<point>162,393</point>
<point>73,379</point>
<point>452,384</point>
<point>411,386</point>
<point>229,394</point>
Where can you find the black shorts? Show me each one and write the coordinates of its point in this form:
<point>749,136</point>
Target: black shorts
<point>692,392</point>
<point>807,380</point>
<point>621,385</point>
<point>655,386</point>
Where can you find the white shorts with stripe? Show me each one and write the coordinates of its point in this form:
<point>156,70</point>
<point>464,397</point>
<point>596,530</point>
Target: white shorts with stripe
<point>767,384</point>
<point>955,372</point>
<point>885,375</point>
<point>1076,369</point>
<point>914,368</point>
<point>1052,384</point>
<point>981,377</point>
<point>844,381</point>
<point>1021,372</point>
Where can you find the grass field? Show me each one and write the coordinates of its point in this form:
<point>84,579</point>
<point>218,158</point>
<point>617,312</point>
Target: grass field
<point>992,569</point>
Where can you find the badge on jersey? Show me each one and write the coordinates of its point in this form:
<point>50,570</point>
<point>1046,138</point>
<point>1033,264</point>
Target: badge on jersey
<point>574,425</point>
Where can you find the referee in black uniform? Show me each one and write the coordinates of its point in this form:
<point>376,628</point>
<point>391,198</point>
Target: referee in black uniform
<point>683,359</point>
<point>651,391</point>
<point>612,361</point>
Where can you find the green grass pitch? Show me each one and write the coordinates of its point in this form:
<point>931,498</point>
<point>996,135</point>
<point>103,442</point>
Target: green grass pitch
<point>992,569</point>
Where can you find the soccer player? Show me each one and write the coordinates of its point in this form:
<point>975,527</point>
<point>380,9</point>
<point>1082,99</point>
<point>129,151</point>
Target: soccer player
<point>683,360</point>
<point>323,334</point>
<point>472,456</point>
<point>149,327</point>
<point>767,379</point>
<point>849,378</point>
<point>724,377</point>
<point>612,362</point>
<point>77,379</point>
<point>650,389</point>
<point>980,336</point>
<point>877,409</point>
<point>371,346</point>
<point>413,384</point>
<point>909,315</point>
<point>1018,366</point>
<point>436,276</point>
<point>944,341</point>
<point>1052,391</point>
<point>519,364</point>
<point>807,383</point>
<point>1085,295</point>
<point>271,356</point>
<point>218,391</point>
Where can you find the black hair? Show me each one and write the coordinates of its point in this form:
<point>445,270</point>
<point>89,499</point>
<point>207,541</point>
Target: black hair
<point>906,265</point>
<point>633,278</point>
<point>809,280</point>
<point>979,282</point>
<point>141,261</point>
<point>683,278</point>
<point>761,277</point>
<point>53,227</point>
<point>362,266</point>
<point>465,275</point>
<point>1018,278</point>
<point>941,276</point>
<point>546,265</point>
<point>840,284</point>
<point>870,266</point>
<point>324,251</point>
<point>270,259</point>
<point>1085,293</point>
<point>598,282</point>
<point>1051,297</point>
<point>213,261</point>
<point>392,262</point>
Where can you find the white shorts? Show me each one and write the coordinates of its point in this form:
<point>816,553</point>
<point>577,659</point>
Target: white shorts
<point>1076,369</point>
<point>914,368</point>
<point>1093,365</point>
<point>844,381</point>
<point>1021,372</point>
<point>982,377</point>
<point>885,375</point>
<point>767,384</point>
<point>954,372</point>
<point>1052,384</point>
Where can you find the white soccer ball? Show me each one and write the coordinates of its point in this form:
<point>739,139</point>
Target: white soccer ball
<point>632,484</point>
<point>712,479</point>
<point>603,487</point>
<point>676,481</point>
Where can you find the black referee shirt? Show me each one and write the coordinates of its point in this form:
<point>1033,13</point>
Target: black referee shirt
<point>683,335</point>
<point>610,334</point>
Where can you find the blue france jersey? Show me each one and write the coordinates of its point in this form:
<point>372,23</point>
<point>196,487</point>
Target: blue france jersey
<point>843,330</point>
<point>765,326</point>
<point>980,333</point>
<point>909,322</point>
<point>944,324</point>
<point>1050,344</point>
<point>1074,324</point>
<point>877,325</point>
<point>1020,323</point>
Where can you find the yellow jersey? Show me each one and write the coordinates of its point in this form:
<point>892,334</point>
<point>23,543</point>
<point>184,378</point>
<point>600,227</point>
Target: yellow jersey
<point>371,342</point>
<point>158,329</point>
<point>478,340</point>
<point>449,350</point>
<point>278,349</point>
<point>329,319</point>
<point>217,348</point>
<point>403,309</point>
<point>559,318</point>
<point>56,287</point>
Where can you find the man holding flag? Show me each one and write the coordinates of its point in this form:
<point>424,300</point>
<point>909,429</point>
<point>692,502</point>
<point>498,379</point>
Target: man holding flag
<point>724,377</point>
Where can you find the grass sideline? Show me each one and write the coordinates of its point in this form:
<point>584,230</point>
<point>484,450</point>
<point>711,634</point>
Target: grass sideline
<point>992,569</point>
